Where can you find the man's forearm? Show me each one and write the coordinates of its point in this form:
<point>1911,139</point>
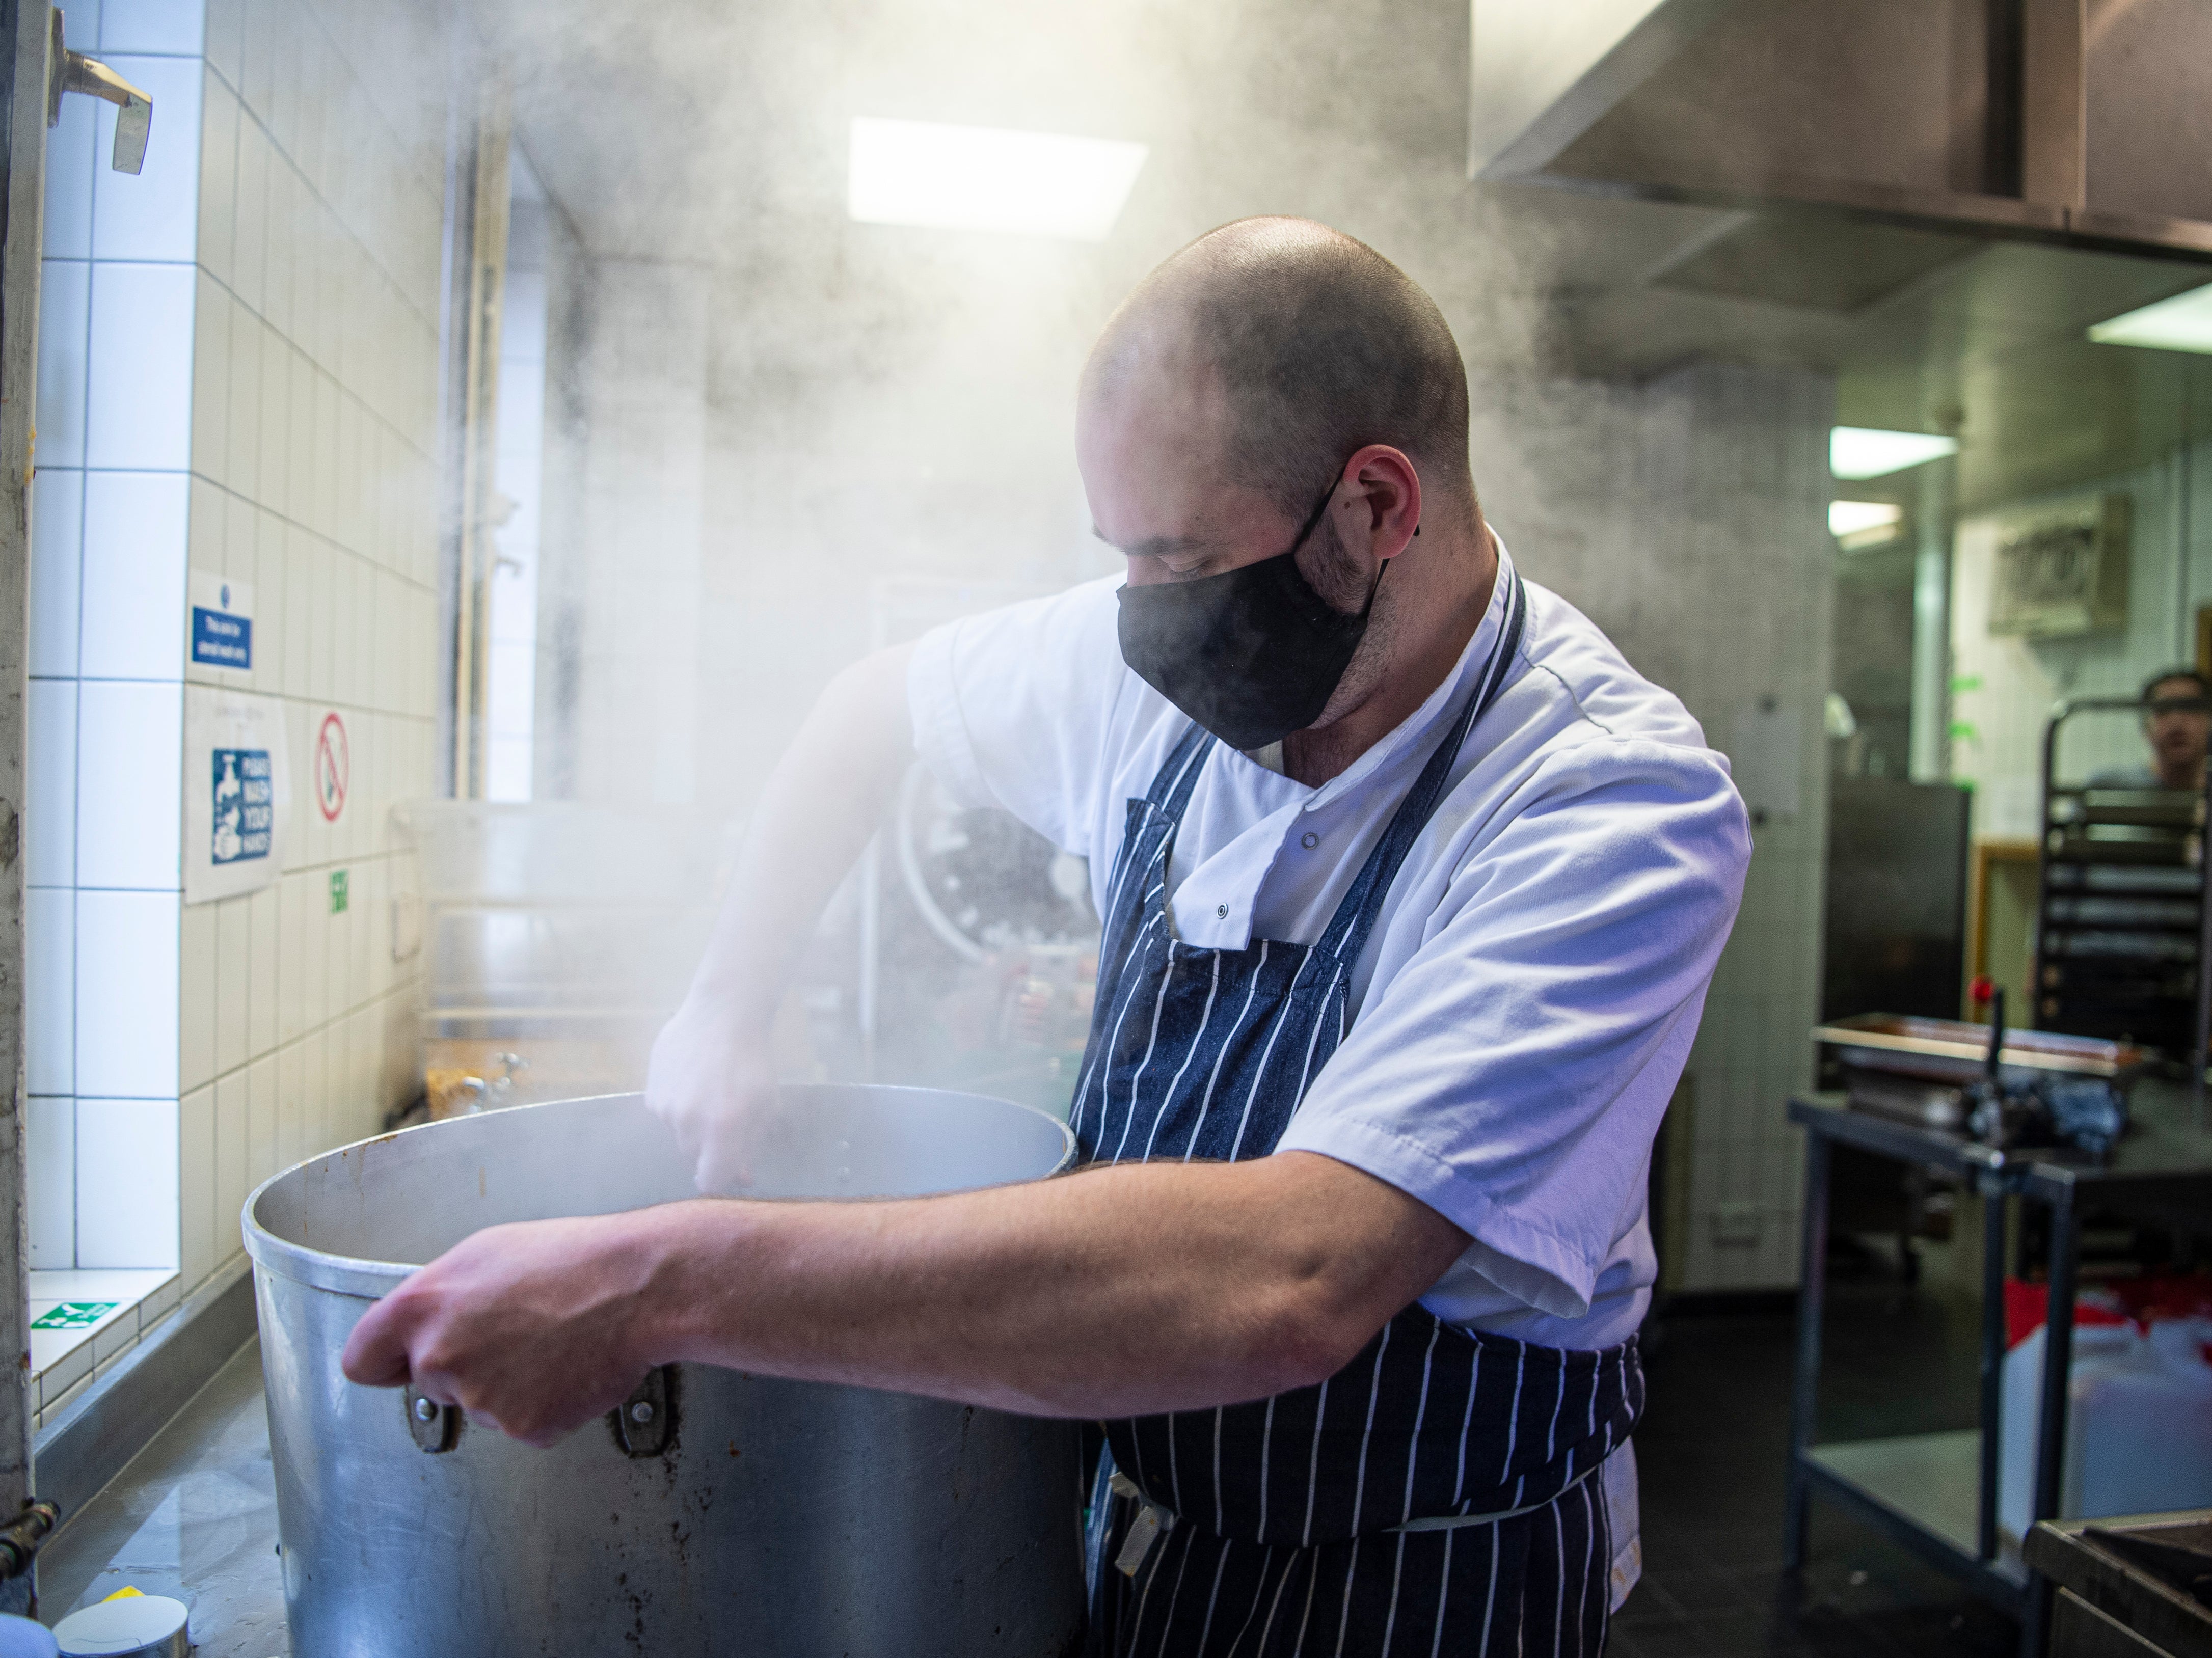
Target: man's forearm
<point>815,814</point>
<point>1113,1292</point>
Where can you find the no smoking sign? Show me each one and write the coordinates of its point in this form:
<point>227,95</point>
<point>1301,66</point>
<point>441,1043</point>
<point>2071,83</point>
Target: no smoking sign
<point>332,767</point>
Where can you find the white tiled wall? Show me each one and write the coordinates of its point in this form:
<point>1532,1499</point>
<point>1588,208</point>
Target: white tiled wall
<point>238,377</point>
<point>1687,518</point>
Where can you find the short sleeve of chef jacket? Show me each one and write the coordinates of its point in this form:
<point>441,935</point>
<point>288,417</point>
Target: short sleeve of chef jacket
<point>1527,1003</point>
<point>1012,709</point>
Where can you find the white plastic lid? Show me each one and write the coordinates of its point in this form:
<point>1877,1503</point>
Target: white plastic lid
<point>114,1629</point>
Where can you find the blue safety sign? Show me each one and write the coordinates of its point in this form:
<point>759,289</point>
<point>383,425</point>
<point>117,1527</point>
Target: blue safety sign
<point>220,640</point>
<point>244,805</point>
<point>222,623</point>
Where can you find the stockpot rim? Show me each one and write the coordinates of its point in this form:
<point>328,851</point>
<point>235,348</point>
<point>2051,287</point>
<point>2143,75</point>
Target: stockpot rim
<point>371,1281</point>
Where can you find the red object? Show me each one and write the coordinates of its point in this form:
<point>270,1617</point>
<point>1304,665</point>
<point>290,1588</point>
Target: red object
<point>2123,1301</point>
<point>1980,989</point>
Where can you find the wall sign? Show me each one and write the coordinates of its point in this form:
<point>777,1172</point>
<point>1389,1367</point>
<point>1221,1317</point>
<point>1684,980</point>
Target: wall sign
<point>238,792</point>
<point>333,766</point>
<point>222,622</point>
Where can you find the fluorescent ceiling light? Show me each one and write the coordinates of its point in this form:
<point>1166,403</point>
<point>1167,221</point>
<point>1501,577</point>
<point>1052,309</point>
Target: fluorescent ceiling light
<point>2182,323</point>
<point>1864,451</point>
<point>1859,524</point>
<point>957,177</point>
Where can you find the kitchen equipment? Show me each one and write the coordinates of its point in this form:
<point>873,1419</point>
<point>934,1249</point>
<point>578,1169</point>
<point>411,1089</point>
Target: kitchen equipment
<point>1928,1072</point>
<point>816,1520</point>
<point>2136,1586</point>
<point>556,939</point>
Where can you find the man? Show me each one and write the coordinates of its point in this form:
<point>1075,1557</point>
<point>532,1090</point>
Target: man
<point>2176,722</point>
<point>1412,890</point>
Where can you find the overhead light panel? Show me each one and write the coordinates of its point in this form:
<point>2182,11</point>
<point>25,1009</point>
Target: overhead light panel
<point>962,178</point>
<point>1867,451</point>
<point>2182,323</point>
<point>1856,523</point>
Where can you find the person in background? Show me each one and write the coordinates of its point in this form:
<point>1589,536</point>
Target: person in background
<point>2176,723</point>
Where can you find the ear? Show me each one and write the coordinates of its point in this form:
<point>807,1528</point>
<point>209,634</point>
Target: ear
<point>1378,503</point>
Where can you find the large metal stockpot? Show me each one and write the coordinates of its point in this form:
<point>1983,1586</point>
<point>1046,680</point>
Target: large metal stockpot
<point>715,1512</point>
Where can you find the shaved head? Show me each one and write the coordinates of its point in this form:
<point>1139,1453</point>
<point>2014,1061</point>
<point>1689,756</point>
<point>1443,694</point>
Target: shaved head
<point>1305,345</point>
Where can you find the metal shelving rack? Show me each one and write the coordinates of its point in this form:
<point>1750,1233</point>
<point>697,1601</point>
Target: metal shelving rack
<point>2121,909</point>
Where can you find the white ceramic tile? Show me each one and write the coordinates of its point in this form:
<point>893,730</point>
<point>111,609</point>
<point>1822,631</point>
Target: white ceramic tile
<point>128,790</point>
<point>271,623</point>
<point>65,339</point>
<point>126,999</point>
<point>160,1304</point>
<point>291,894</point>
<point>317,1076</point>
<point>321,562</point>
<point>285,24</point>
<point>197,988</point>
<point>49,990</point>
<point>50,1175</point>
<point>250,241</point>
<point>291,1104</point>
<point>346,603</point>
<point>226,21</point>
<point>56,539</point>
<point>58,1357</point>
<point>265,959</point>
<point>50,785</point>
<point>135,530</point>
<point>305,598</point>
<point>126,1183</point>
<point>233,1161</point>
<point>195,1186</point>
<point>280,235</point>
<point>314,957</point>
<point>234,982</point>
<point>130,1286</point>
<point>63,1369</point>
<point>69,163</point>
<point>261,1122</point>
<point>211,382</point>
<point>274,486</point>
<point>242,393</point>
<point>153,214</point>
<point>138,410</point>
<point>171,27</point>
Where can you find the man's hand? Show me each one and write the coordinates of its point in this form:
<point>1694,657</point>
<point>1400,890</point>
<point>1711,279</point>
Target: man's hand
<point>711,1081</point>
<point>533,1328</point>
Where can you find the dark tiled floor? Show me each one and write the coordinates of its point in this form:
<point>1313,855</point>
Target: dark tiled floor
<point>1711,1453</point>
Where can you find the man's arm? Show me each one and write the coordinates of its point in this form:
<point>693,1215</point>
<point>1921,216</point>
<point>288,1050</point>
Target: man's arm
<point>710,1066</point>
<point>1116,1291</point>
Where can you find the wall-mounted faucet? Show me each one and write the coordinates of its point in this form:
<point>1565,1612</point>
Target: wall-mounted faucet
<point>72,71</point>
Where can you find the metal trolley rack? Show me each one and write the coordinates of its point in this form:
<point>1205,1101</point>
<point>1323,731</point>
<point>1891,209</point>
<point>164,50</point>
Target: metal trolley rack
<point>1937,1493</point>
<point>2121,914</point>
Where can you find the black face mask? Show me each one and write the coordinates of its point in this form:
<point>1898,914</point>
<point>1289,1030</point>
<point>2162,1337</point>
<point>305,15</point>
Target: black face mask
<point>1252,655</point>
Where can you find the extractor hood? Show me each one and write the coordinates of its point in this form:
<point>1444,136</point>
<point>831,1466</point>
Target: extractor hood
<point>2079,123</point>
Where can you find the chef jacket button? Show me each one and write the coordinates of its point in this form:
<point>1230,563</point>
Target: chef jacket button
<point>1310,842</point>
<point>1221,911</point>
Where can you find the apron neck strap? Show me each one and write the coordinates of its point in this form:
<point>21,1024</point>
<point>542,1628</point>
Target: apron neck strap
<point>1347,935</point>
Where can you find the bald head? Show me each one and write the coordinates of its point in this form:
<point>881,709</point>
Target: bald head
<point>1305,345</point>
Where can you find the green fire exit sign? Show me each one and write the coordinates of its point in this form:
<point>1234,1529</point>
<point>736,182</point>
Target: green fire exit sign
<point>337,892</point>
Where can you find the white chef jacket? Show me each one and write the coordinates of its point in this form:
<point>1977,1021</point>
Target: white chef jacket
<point>1528,994</point>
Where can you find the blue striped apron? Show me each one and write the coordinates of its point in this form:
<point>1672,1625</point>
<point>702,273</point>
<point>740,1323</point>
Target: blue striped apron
<point>1433,1496</point>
